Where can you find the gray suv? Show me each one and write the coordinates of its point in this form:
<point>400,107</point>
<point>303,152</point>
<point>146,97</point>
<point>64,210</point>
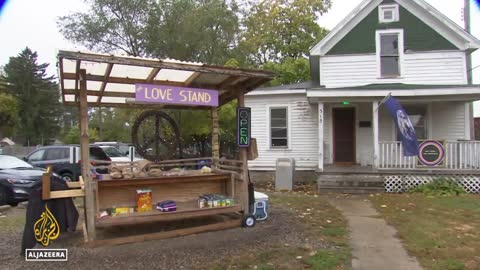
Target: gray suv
<point>65,159</point>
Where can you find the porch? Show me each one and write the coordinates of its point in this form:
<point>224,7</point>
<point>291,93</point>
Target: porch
<point>356,129</point>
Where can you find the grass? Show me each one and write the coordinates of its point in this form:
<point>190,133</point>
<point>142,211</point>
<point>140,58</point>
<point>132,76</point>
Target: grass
<point>443,232</point>
<point>322,222</point>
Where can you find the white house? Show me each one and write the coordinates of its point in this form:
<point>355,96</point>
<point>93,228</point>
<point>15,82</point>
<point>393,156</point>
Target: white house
<point>402,47</point>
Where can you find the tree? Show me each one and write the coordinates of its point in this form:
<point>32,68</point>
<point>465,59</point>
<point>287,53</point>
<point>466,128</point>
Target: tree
<point>279,34</point>
<point>290,70</point>
<point>110,26</point>
<point>37,96</point>
<point>191,30</point>
<point>8,114</point>
<point>276,29</point>
<point>204,31</point>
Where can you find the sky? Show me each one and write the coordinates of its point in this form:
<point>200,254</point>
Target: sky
<point>32,23</point>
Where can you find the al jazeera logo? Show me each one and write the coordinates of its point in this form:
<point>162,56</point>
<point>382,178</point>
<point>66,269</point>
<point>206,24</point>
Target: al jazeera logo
<point>46,229</point>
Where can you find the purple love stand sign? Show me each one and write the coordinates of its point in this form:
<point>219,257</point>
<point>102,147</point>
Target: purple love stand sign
<point>176,95</point>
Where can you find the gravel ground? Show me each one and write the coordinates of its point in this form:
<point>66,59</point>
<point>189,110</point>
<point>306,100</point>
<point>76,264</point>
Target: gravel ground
<point>189,252</point>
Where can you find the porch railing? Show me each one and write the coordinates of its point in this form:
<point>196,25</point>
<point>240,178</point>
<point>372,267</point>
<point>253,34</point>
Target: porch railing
<point>459,155</point>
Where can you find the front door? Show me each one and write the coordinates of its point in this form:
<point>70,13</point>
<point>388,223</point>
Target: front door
<point>344,135</point>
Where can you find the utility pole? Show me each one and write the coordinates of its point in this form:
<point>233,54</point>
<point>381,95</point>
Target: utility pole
<point>466,20</point>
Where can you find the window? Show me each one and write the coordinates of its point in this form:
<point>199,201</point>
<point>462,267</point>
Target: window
<point>57,153</point>
<point>388,13</point>
<point>389,52</point>
<point>36,156</point>
<point>418,117</point>
<point>279,127</point>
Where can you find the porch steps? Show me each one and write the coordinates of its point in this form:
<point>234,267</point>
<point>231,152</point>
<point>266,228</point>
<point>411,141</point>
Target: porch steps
<point>350,183</point>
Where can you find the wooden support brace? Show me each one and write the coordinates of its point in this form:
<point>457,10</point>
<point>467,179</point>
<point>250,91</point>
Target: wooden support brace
<point>167,234</point>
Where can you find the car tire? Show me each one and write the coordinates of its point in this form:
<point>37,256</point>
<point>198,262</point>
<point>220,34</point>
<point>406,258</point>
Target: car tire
<point>248,221</point>
<point>67,176</point>
<point>3,196</point>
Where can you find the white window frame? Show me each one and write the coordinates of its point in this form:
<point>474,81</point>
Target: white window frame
<point>391,7</point>
<point>269,130</point>
<point>378,34</point>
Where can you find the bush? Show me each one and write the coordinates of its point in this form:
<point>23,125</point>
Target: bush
<point>439,187</point>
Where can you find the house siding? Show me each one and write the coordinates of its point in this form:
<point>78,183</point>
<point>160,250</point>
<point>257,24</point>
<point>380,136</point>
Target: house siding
<point>439,68</point>
<point>418,35</point>
<point>449,121</point>
<point>303,125</point>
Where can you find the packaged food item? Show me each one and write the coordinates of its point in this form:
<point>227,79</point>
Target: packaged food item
<point>202,202</point>
<point>121,210</point>
<point>144,200</point>
<point>167,206</point>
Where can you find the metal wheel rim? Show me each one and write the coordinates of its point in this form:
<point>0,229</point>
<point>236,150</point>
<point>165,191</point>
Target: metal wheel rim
<point>249,221</point>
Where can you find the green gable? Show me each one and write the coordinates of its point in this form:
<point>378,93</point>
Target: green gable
<point>417,35</point>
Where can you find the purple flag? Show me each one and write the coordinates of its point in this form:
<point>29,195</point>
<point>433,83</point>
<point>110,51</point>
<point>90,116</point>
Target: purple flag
<point>404,126</point>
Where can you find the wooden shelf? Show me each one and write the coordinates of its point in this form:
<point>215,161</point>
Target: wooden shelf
<point>163,180</point>
<point>184,210</point>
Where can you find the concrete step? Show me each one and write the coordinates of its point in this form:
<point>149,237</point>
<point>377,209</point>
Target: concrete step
<point>350,183</point>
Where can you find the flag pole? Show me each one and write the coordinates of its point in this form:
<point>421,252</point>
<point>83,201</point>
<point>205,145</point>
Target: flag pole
<point>383,101</point>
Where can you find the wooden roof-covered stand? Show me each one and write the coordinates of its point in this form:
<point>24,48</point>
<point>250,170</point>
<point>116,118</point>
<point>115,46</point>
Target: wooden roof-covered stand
<point>100,80</point>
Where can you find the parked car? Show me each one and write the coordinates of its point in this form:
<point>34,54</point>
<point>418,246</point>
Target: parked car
<point>17,178</point>
<point>122,147</point>
<point>115,155</point>
<point>64,159</point>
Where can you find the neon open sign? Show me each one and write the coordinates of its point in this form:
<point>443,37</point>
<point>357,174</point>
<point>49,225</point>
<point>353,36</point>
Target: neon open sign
<point>243,127</point>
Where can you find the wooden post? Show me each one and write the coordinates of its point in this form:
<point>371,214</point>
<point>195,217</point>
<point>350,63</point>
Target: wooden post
<point>85,157</point>
<point>376,146</point>
<point>243,158</point>
<point>215,140</point>
<point>320,136</point>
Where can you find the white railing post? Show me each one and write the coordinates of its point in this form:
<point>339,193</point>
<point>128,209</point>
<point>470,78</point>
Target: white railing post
<point>320,136</point>
<point>376,150</point>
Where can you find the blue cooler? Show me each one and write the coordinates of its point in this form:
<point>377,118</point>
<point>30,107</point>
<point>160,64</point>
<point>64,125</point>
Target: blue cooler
<point>260,209</point>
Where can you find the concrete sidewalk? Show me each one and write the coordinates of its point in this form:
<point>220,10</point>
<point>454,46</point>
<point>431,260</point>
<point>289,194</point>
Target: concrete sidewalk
<point>373,241</point>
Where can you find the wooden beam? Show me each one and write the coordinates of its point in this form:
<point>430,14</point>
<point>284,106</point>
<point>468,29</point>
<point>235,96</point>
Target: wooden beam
<point>104,83</point>
<point>85,157</point>
<point>167,234</point>
<point>215,132</point>
<point>243,157</point>
<point>62,84</point>
<point>152,75</point>
<point>105,94</point>
<point>120,80</point>
<point>46,187</point>
<point>131,61</point>
<point>230,81</point>
<point>67,193</point>
<point>192,78</point>
<point>75,77</point>
<point>139,105</point>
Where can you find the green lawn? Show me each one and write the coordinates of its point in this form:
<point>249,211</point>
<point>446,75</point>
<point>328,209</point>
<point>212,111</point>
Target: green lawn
<point>322,222</point>
<point>442,232</point>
